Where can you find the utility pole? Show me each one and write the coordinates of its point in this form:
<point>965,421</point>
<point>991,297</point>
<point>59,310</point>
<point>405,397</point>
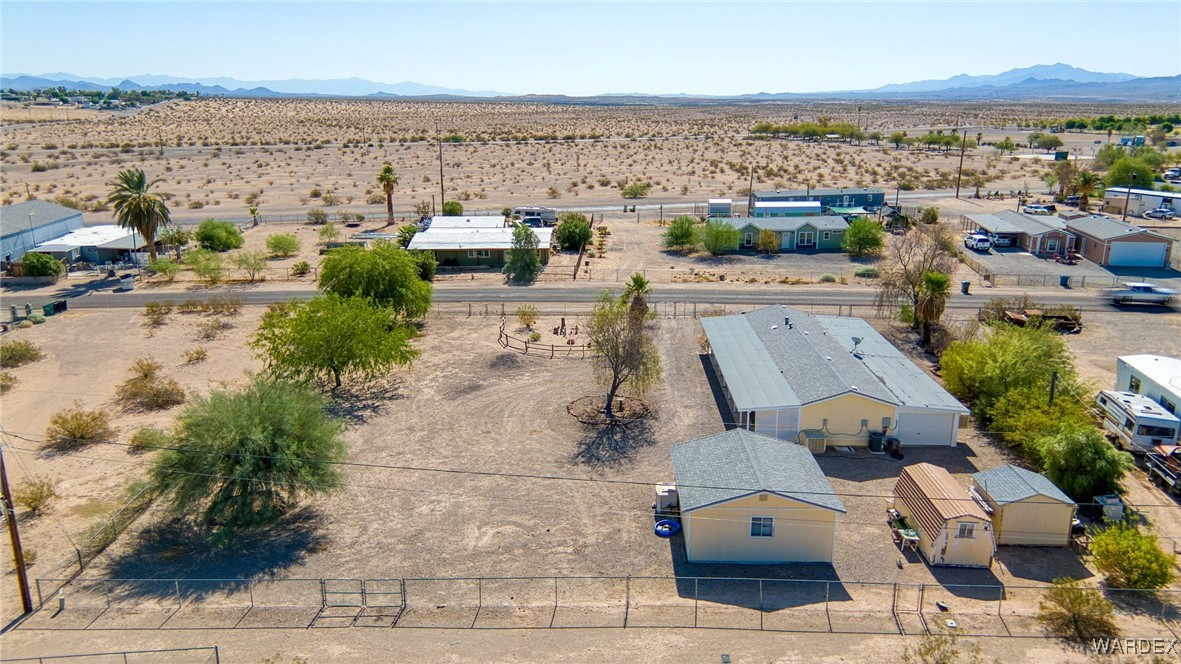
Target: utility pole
<point>960,175</point>
<point>18,554</point>
<point>750,196</point>
<point>1127,201</point>
<point>442,196</point>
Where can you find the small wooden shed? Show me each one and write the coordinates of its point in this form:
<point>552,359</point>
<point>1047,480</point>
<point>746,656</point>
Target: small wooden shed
<point>1026,508</point>
<point>953,529</point>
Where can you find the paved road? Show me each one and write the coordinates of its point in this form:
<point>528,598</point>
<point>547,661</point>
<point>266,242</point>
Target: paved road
<point>1085,300</point>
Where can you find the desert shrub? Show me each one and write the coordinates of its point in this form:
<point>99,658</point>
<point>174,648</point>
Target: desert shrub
<point>317,216</point>
<point>18,352</point>
<point>636,190</point>
<point>7,381</point>
<point>77,427</point>
<point>681,233</point>
<point>1130,558</point>
<point>36,319</point>
<point>828,279</point>
<point>222,306</point>
<point>206,264</point>
<point>929,215</point>
<point>36,495</point>
<point>217,235</point>
<point>328,233</point>
<point>212,328</point>
<point>534,336</point>
<point>41,265</point>
<point>157,313</point>
<point>252,263</point>
<point>1024,415</point>
<point>195,355</point>
<point>719,237</point>
<point>942,648</point>
<point>866,272</point>
<point>30,555</point>
<point>147,389</point>
<point>148,439</point>
<point>300,269</point>
<point>164,267</point>
<point>527,315</point>
<point>573,231</point>
<point>452,209</point>
<point>283,244</point>
<point>24,324</point>
<point>427,264</point>
<point>1072,610</point>
<point>1080,461</point>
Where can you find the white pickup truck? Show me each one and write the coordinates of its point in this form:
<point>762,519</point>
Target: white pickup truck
<point>1139,292</point>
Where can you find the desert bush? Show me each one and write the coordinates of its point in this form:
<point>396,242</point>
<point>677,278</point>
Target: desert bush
<point>1072,610</point>
<point>452,209</point>
<point>189,307</point>
<point>221,306</point>
<point>866,272</point>
<point>929,215</point>
<point>527,315</point>
<point>252,263</point>
<point>681,233</point>
<point>164,267</point>
<point>148,439</point>
<point>212,328</point>
<point>7,381</point>
<point>147,389</point>
<point>534,336</point>
<point>206,264</point>
<point>719,237</point>
<point>18,352</point>
<point>217,235</point>
<point>36,319</point>
<point>427,264</point>
<point>157,313</point>
<point>828,279</point>
<point>636,190</point>
<point>1130,558</point>
<point>283,245</point>
<point>77,427</point>
<point>195,355</point>
<point>317,216</point>
<point>573,231</point>
<point>300,269</point>
<point>328,233</point>
<point>41,265</point>
<point>36,495</point>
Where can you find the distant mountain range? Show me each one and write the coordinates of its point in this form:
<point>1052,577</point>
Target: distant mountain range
<point>1056,82</point>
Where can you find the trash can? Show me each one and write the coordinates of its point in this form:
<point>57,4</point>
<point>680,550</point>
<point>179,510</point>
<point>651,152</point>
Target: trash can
<point>126,283</point>
<point>47,309</point>
<point>1113,507</point>
<point>964,286</point>
<point>1064,281</point>
<point>59,306</point>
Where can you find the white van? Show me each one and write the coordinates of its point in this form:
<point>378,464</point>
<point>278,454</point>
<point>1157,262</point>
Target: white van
<point>548,216</point>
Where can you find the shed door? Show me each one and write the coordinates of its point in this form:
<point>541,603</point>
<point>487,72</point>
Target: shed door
<point>926,428</point>
<point>1137,254</point>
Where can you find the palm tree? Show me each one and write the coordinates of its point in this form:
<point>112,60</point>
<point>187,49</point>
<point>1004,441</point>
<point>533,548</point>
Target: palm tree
<point>138,208</point>
<point>933,293</point>
<point>636,291</point>
<point>1085,184</point>
<point>387,178</point>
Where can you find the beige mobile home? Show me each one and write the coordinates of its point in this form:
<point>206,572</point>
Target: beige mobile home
<point>1026,508</point>
<point>953,530</point>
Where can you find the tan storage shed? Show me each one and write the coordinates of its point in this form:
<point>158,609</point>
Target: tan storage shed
<point>749,498</point>
<point>1026,508</point>
<point>953,530</point>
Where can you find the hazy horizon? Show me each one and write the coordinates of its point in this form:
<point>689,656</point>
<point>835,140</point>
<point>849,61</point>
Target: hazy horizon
<point>586,48</point>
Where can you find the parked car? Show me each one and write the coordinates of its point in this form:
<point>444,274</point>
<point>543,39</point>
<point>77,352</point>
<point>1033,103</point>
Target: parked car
<point>1159,213</point>
<point>1173,172</point>
<point>978,242</point>
<point>1139,292</point>
<point>1038,209</point>
<point>1072,200</point>
<point>1001,240</point>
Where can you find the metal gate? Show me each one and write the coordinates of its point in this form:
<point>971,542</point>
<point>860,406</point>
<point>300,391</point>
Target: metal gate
<point>342,593</point>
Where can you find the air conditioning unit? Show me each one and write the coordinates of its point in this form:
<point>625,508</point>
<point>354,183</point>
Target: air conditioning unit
<point>814,441</point>
<point>667,499</point>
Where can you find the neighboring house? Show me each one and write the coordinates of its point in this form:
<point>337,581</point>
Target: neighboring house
<point>475,247</point>
<point>953,530</point>
<point>94,244</point>
<point>1026,508</point>
<point>25,225</point>
<point>1154,376</point>
<point>1140,200</point>
<point>825,380</point>
<point>829,198</point>
<point>1040,235</point>
<point>792,233</point>
<point>719,207</point>
<point>746,498</point>
<point>1109,242</point>
<point>786,209</point>
<point>465,222</point>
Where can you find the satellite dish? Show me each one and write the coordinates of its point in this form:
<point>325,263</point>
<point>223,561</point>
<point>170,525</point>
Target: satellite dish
<point>856,343</point>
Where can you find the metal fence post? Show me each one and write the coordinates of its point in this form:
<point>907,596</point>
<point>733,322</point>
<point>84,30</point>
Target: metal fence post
<point>627,602</point>
<point>761,610</point>
<point>827,616</point>
<point>695,598</point>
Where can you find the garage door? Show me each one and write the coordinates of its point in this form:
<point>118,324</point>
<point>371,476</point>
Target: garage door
<point>1137,254</point>
<point>925,427</point>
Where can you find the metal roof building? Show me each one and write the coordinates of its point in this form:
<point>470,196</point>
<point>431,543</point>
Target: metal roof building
<point>96,244</point>
<point>25,225</point>
<point>444,238</point>
<point>467,222</point>
<point>1155,376</point>
<point>953,529</point>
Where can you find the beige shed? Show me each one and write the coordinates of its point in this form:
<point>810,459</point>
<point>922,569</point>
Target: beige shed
<point>749,498</point>
<point>1026,508</point>
<point>953,529</point>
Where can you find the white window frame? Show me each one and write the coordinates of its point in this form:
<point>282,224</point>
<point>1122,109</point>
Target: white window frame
<point>748,239</point>
<point>826,235</point>
<point>765,523</point>
<point>479,253</point>
<point>806,239</point>
<point>966,531</point>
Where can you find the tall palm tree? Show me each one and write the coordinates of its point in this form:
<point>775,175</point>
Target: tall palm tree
<point>387,178</point>
<point>1085,184</point>
<point>933,293</point>
<point>636,292</point>
<point>138,208</point>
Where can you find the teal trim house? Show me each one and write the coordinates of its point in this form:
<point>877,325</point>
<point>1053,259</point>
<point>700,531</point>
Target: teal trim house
<point>794,233</point>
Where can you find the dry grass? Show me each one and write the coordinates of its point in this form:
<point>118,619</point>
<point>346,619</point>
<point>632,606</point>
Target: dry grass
<point>147,389</point>
<point>76,427</point>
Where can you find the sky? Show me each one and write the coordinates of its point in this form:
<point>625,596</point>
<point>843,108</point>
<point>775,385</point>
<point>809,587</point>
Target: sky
<point>586,48</point>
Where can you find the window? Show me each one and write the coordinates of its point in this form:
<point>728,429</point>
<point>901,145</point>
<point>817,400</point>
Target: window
<point>478,253</point>
<point>761,526</point>
<point>1168,405</point>
<point>1154,431</point>
<point>748,239</point>
<point>967,531</point>
<point>806,239</point>
<point>1134,385</point>
<point>826,235</point>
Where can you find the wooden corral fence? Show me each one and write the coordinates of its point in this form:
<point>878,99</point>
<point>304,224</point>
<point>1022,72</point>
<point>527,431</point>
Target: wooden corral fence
<point>527,347</point>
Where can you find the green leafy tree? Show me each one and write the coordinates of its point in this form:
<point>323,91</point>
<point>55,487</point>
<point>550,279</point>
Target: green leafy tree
<point>1130,558</point>
<point>217,235</point>
<point>719,237</point>
<point>35,264</point>
<point>427,264</point>
<point>164,267</point>
<point>1086,183</point>
<point>452,209</point>
<point>329,233</point>
<point>636,190</point>
<point>406,234</point>
<point>1048,142</point>
<point>241,460</point>
<point>137,207</point>
<point>385,273</point>
<point>252,263</point>
<point>523,261</point>
<point>573,232</point>
<point>1129,172</point>
<point>898,138</point>
<point>1080,461</point>
<point>681,234</point>
<point>907,258</point>
<point>1073,610</point>
<point>176,236</point>
<point>934,291</point>
<point>1004,146</point>
<point>1025,414</point>
<point>332,337</point>
<point>864,237</point>
<point>283,244</point>
<point>767,242</point>
<point>625,353</point>
<point>388,179</point>
<point>206,264</point>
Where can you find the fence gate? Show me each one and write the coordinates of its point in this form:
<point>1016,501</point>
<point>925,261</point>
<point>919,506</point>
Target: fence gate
<point>342,593</point>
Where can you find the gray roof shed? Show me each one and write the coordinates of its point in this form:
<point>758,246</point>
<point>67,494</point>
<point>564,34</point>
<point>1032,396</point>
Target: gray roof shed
<point>1009,484</point>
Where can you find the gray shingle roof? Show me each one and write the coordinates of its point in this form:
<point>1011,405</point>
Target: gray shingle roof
<point>782,224</point>
<point>739,463</point>
<point>1008,221</point>
<point>1009,484</point>
<point>15,218</point>
<point>1106,228</point>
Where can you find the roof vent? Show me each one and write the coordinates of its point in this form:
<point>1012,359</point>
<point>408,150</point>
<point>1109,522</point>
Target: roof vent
<point>774,327</point>
<point>806,333</point>
<point>787,322</point>
<point>829,359</point>
<point>854,388</point>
